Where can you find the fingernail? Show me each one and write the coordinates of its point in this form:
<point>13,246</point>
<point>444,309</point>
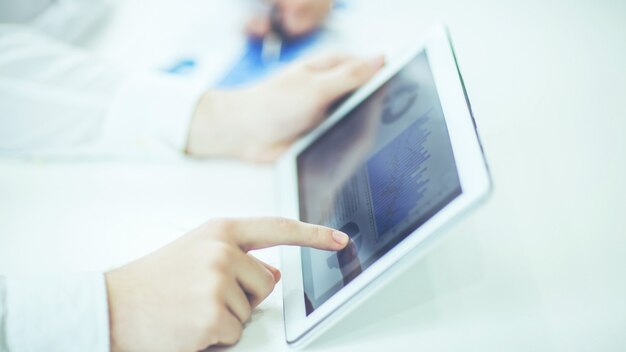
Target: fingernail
<point>277,276</point>
<point>340,237</point>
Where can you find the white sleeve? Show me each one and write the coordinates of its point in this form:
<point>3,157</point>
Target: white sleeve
<point>57,101</point>
<point>67,20</point>
<point>64,313</point>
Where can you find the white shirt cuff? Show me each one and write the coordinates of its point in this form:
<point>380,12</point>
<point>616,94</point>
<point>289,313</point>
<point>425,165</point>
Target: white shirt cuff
<point>152,113</point>
<point>57,313</point>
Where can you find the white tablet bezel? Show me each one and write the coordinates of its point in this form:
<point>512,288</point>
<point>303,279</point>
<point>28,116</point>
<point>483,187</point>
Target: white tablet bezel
<point>473,176</point>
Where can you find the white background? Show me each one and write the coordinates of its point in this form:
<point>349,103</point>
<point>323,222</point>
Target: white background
<point>540,267</point>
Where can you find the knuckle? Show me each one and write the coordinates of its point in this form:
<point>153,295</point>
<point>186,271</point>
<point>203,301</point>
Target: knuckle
<point>218,260</point>
<point>268,283</point>
<point>215,230</point>
<point>247,312</point>
<point>220,226</point>
<point>356,70</point>
<point>214,317</point>
<point>231,334</point>
<point>321,96</point>
<point>204,339</point>
<point>221,314</point>
<point>222,256</point>
<point>210,325</point>
<point>218,287</point>
<point>220,270</point>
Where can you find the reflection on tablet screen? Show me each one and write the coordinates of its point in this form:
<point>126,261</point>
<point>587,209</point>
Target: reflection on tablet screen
<point>378,174</point>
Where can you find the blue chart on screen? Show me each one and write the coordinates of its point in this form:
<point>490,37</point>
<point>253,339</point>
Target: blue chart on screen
<point>397,176</point>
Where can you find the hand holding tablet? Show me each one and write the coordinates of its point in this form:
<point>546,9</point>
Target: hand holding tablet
<point>396,162</point>
<point>261,121</point>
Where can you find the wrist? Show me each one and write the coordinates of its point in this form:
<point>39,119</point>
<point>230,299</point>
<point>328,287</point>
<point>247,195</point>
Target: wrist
<point>203,139</point>
<point>221,127</point>
<point>214,129</point>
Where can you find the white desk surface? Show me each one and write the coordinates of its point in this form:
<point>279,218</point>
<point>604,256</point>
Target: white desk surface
<point>540,267</point>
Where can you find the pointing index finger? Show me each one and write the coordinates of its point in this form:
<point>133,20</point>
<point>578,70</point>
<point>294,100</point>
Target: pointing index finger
<point>257,233</point>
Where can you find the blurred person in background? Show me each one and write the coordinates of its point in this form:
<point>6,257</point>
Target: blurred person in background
<point>59,101</point>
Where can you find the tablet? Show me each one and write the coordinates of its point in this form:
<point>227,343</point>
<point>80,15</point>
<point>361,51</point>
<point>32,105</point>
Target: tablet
<point>397,161</point>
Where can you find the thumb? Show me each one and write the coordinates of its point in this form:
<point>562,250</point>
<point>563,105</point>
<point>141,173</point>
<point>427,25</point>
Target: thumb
<point>348,76</point>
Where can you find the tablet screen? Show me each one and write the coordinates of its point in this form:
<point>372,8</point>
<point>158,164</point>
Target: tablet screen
<point>378,174</point>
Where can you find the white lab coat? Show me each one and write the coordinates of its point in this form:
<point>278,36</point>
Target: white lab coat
<point>58,101</point>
